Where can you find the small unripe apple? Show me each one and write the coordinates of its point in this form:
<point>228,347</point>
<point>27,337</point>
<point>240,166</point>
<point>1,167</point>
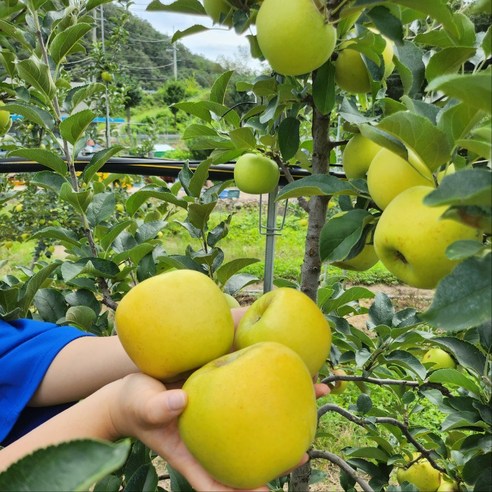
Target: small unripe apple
<point>256,174</point>
<point>290,317</point>
<point>106,76</point>
<point>439,359</point>
<point>251,414</point>
<point>120,207</point>
<point>19,207</point>
<point>4,119</point>
<point>294,36</point>
<point>338,386</point>
<point>162,335</point>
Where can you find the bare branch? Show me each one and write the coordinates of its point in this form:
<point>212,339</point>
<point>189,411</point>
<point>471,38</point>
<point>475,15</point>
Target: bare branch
<point>336,460</point>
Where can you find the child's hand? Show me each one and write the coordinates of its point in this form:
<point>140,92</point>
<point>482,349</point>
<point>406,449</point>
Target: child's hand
<point>147,411</point>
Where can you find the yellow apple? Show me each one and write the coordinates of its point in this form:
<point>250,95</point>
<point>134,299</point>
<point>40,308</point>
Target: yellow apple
<point>421,474</point>
<point>339,386</point>
<point>173,323</point>
<point>439,359</point>
<point>294,37</point>
<point>447,485</point>
<point>216,9</point>
<point>351,73</point>
<point>290,317</point>
<point>231,301</point>
<point>387,54</point>
<point>358,155</point>
<point>366,259</point>
<point>120,208</point>
<point>256,174</point>
<point>411,239</point>
<point>389,175</point>
<point>251,414</point>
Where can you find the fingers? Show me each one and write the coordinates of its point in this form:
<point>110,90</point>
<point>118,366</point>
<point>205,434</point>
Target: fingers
<point>321,389</point>
<point>165,407</point>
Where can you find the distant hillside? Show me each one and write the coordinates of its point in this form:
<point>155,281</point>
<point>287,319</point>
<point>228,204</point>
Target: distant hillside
<point>148,55</point>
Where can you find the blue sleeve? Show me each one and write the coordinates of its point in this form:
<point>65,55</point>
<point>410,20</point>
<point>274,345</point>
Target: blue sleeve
<point>27,348</point>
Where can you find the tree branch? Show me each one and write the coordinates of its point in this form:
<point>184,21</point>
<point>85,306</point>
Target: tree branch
<point>336,460</point>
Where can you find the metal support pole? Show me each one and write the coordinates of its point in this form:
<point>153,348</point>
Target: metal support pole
<point>270,233</point>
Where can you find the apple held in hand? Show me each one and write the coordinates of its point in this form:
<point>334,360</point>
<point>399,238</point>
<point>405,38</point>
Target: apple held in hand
<point>294,37</point>
<point>421,474</point>
<point>358,155</point>
<point>173,323</point>
<point>411,239</point>
<point>290,317</point>
<point>389,175</point>
<point>251,414</point>
<point>256,174</point>
<point>439,359</point>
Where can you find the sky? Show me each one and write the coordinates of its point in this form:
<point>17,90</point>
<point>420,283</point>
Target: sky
<point>210,44</point>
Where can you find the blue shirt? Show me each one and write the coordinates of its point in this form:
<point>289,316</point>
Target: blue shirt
<point>27,348</point>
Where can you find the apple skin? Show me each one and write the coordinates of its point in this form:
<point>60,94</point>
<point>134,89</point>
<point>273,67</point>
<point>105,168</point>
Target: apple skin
<point>358,155</point>
<point>389,175</point>
<point>231,301</point>
<point>351,73</point>
<point>216,8</point>
<point>421,474</point>
<point>290,317</point>
<point>256,174</point>
<point>339,386</point>
<point>448,486</point>
<point>439,358</point>
<point>293,36</point>
<point>251,414</point>
<point>366,259</point>
<point>173,323</point>
<point>411,239</point>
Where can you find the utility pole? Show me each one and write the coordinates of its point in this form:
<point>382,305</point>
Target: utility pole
<point>175,62</point>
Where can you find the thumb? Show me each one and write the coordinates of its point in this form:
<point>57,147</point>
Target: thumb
<point>166,406</point>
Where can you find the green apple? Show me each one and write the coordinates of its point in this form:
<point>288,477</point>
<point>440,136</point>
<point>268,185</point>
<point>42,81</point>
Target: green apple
<point>339,386</point>
<point>358,155</point>
<point>366,259</point>
<point>387,54</point>
<point>106,76</point>
<point>294,37</point>
<point>439,359</point>
<point>411,239</point>
<point>421,474</point>
<point>351,73</point>
<point>216,9</point>
<point>251,414</point>
<point>256,174</point>
<point>447,485</point>
<point>19,208</point>
<point>162,335</point>
<point>231,301</point>
<point>389,175</point>
<point>290,317</point>
<point>5,121</point>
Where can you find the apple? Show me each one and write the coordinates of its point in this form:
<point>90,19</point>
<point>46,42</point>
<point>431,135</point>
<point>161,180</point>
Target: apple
<point>351,73</point>
<point>447,485</point>
<point>439,359</point>
<point>411,239</point>
<point>19,208</point>
<point>421,474</point>
<point>358,155</point>
<point>120,208</point>
<point>216,9</point>
<point>339,386</point>
<point>173,323</point>
<point>106,76</point>
<point>256,174</point>
<point>5,121</point>
<point>294,37</point>
<point>251,414</point>
<point>231,301</point>
<point>387,54</point>
<point>290,317</point>
<point>450,169</point>
<point>366,259</point>
<point>389,174</point>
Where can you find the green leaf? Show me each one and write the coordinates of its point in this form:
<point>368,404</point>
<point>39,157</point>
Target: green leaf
<point>82,93</point>
<point>79,200</point>
<point>332,304</point>
<point>44,157</point>
<point>138,198</point>
<point>38,75</point>
<point>407,360</point>
<point>316,185</point>
<point>73,127</point>
<point>50,304</point>
<point>474,467</point>
<point>58,233</point>
<point>84,462</point>
<point>31,113</point>
<point>366,451</point>
<point>288,137</point>
<point>465,187</point>
<point>467,354</point>
<point>81,316</point>
<point>460,250</point>
<point>65,41</point>
<point>198,178</point>
<point>218,90</point>
<point>238,282</point>
<point>448,60</point>
<point>98,160</point>
<point>473,89</point>
<point>411,68</point>
<point>178,482</point>
<point>149,230</point>
<point>457,119</point>
<point>243,138</point>
<point>180,6</point>
<point>195,108</point>
<point>145,479</point>
<point>179,34</point>
<point>100,208</point>
<point>462,299</point>
<point>455,378</point>
<point>381,311</point>
<point>199,213</point>
<point>364,404</point>
<point>324,88</point>
<point>227,270</point>
<point>197,131</point>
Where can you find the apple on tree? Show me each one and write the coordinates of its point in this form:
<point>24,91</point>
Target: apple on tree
<point>294,37</point>
<point>366,259</point>
<point>421,474</point>
<point>439,359</point>
<point>231,300</point>
<point>358,155</point>
<point>5,121</point>
<point>216,9</point>
<point>338,387</point>
<point>251,414</point>
<point>256,174</point>
<point>411,239</point>
<point>290,317</point>
<point>389,175</point>
<point>162,335</point>
<point>351,73</point>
